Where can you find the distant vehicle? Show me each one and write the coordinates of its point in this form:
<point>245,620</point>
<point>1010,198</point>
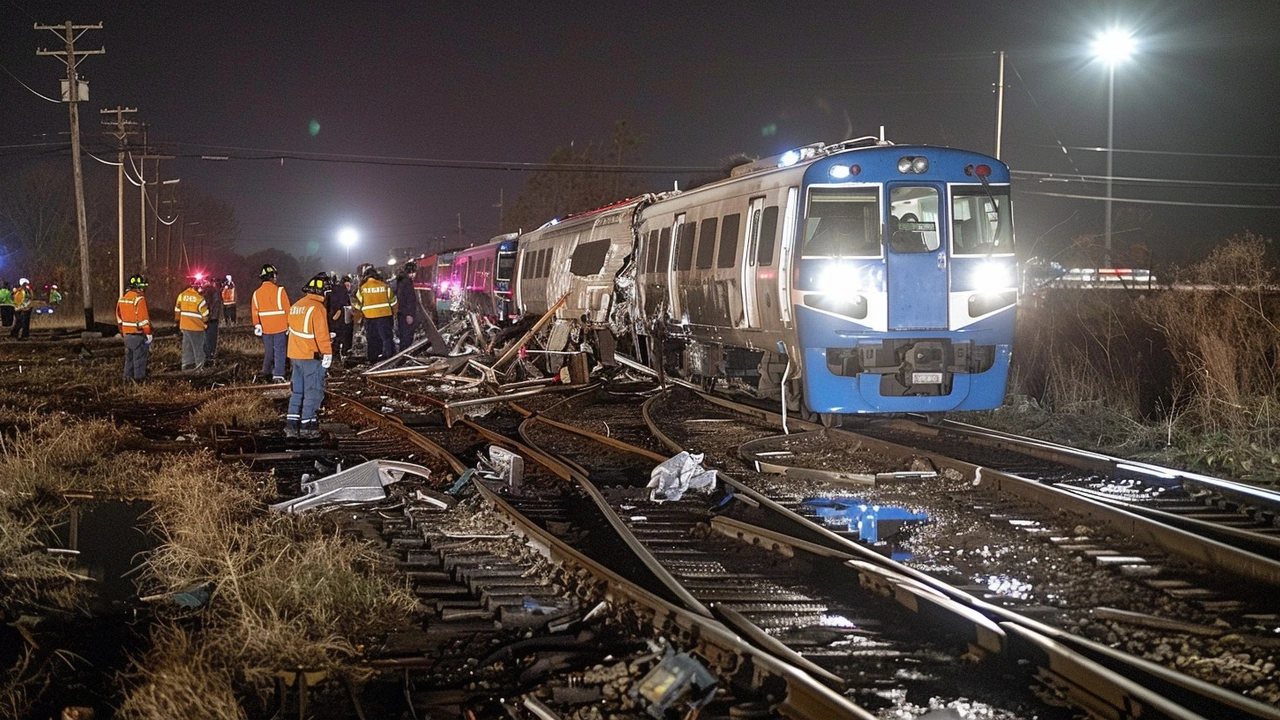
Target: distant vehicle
<point>859,277</point>
<point>1106,278</point>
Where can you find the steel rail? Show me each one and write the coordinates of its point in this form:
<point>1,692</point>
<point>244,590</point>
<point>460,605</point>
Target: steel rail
<point>1154,682</point>
<point>805,699</point>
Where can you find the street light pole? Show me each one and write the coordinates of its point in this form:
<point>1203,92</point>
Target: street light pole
<point>1111,123</point>
<point>1112,47</point>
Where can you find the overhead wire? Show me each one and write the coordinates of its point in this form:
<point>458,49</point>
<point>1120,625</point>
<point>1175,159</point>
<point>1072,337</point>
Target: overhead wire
<point>28,87</point>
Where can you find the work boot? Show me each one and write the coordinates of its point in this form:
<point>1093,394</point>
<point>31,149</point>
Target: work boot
<point>277,378</point>
<point>310,430</point>
<point>291,428</point>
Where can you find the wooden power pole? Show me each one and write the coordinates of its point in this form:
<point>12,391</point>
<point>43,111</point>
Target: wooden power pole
<point>69,33</point>
<point>121,129</point>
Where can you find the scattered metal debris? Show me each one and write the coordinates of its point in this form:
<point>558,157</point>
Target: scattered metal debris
<point>365,482</point>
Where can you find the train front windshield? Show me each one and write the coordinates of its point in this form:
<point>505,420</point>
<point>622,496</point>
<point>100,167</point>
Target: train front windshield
<point>979,227</point>
<point>842,222</point>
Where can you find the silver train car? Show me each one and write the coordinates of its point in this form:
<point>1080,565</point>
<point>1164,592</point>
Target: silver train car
<point>860,277</point>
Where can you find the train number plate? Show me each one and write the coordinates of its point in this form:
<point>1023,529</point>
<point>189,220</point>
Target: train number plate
<point>926,378</point>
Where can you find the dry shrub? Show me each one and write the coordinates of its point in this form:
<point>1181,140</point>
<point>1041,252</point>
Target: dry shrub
<point>1227,349</point>
<point>177,679</point>
<point>236,409</point>
<point>287,592</point>
<point>56,453</point>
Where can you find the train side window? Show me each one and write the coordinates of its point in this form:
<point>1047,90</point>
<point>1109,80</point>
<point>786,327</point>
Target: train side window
<point>978,227</point>
<point>546,262</point>
<point>588,258</point>
<point>651,258</point>
<point>842,222</point>
<point>664,251</point>
<point>539,263</point>
<point>913,222</point>
<point>707,243</point>
<point>728,255</point>
<point>768,229</point>
<point>684,246</point>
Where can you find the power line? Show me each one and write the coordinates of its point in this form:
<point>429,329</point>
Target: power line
<point>1174,152</point>
<point>1154,202</point>
<point>1057,177</point>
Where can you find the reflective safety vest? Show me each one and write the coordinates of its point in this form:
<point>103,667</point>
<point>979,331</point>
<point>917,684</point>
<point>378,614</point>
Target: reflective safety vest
<point>309,329</point>
<point>6,296</point>
<point>375,299</point>
<point>229,295</point>
<point>21,298</point>
<point>132,315</point>
<point>270,308</point>
<point>191,312</point>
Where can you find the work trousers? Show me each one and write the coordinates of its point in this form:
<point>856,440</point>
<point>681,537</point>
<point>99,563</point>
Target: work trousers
<point>429,329</point>
<point>274,347</point>
<point>136,352</point>
<point>229,314</point>
<point>192,349</point>
<point>6,315</point>
<point>211,339</point>
<point>21,325</point>
<point>377,335</point>
<point>343,336</point>
<point>308,390</point>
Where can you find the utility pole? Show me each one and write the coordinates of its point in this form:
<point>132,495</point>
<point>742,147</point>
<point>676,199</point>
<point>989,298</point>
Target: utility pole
<point>142,187</point>
<point>999,103</point>
<point>122,130</point>
<point>70,56</point>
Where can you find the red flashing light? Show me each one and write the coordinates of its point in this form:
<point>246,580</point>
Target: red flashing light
<point>982,171</point>
<point>855,169</point>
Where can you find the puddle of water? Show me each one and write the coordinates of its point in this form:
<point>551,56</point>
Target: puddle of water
<point>111,544</point>
<point>1006,586</point>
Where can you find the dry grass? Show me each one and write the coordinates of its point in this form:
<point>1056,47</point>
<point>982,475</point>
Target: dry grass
<point>239,409</point>
<point>287,591</point>
<point>178,680</point>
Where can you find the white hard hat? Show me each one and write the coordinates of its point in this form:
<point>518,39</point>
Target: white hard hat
<point>23,281</point>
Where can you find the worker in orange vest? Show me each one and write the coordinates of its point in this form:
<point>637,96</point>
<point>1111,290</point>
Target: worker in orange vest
<point>191,313</point>
<point>376,301</point>
<point>311,352</point>
<point>270,311</point>
<point>135,327</point>
<point>229,302</point>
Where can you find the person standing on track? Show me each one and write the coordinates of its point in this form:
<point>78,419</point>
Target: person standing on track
<point>340,317</point>
<point>411,315</point>
<point>134,322</point>
<point>311,353</point>
<point>376,301</point>
<point>229,302</point>
<point>191,314</point>
<point>270,312</point>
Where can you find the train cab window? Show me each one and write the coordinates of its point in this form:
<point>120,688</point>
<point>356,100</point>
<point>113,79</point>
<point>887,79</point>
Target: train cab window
<point>506,264</point>
<point>913,219</point>
<point>842,222</point>
<point>664,251</point>
<point>651,257</point>
<point>767,227</point>
<point>684,246</point>
<point>707,243</point>
<point>979,227</point>
<point>728,255</point>
<point>588,258</point>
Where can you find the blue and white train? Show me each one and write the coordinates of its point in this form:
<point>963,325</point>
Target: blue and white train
<point>859,277</point>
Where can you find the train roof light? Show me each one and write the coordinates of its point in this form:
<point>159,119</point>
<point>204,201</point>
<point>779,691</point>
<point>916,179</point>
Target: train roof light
<point>789,158</point>
<point>839,172</point>
<point>916,164</point>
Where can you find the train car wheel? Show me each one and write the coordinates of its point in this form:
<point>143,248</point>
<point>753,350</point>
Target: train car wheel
<point>934,418</point>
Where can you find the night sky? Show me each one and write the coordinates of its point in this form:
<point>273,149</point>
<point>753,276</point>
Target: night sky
<point>505,83</point>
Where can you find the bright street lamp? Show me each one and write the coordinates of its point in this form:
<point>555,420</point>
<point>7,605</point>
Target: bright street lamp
<point>1111,47</point>
<point>348,237</point>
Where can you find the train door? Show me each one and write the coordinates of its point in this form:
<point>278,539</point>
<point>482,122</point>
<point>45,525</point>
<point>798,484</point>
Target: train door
<point>750,274</point>
<point>787,255</point>
<point>916,261</point>
<point>673,286</point>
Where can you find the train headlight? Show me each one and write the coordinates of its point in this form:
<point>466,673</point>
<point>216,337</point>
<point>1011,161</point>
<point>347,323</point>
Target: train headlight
<point>990,277</point>
<point>844,281</point>
<point>838,172</point>
<point>789,158</point>
<point>916,164</point>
